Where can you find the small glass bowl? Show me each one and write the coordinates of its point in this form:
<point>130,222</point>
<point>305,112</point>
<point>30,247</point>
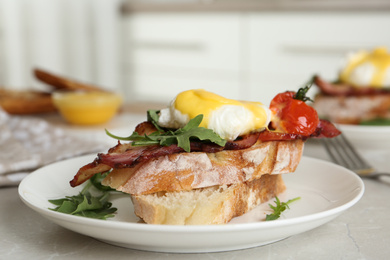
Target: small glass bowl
<point>87,108</point>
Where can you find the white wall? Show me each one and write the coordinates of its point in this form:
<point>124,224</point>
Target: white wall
<point>249,55</point>
<point>79,39</point>
<point>152,56</point>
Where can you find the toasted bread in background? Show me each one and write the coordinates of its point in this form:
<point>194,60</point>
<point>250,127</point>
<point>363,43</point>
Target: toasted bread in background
<point>61,83</point>
<point>212,205</point>
<point>25,102</point>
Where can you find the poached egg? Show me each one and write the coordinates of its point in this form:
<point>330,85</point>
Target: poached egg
<point>365,68</point>
<point>227,117</point>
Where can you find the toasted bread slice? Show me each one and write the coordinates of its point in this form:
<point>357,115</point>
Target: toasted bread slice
<point>187,171</point>
<point>212,205</point>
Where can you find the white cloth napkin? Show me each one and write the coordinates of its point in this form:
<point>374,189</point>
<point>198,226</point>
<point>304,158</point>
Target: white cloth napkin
<point>27,143</point>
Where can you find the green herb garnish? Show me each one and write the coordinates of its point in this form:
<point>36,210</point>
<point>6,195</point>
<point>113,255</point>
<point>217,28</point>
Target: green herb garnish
<point>96,181</point>
<point>85,204</point>
<point>279,208</point>
<point>181,136</point>
<point>153,116</point>
<point>301,93</point>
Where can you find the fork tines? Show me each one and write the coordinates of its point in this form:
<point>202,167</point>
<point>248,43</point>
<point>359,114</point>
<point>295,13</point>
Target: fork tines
<point>343,153</point>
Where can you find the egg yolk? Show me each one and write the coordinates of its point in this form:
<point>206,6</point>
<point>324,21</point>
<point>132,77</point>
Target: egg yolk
<point>378,59</point>
<point>199,101</point>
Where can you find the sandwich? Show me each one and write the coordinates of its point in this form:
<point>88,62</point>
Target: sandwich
<point>206,159</point>
<point>361,94</point>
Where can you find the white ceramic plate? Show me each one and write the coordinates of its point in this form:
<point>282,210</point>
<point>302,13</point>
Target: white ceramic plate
<point>367,137</point>
<point>326,190</point>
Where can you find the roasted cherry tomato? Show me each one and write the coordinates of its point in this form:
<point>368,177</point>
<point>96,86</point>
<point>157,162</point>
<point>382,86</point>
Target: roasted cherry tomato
<point>291,113</point>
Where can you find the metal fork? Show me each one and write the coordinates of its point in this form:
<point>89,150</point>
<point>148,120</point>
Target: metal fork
<point>343,153</point>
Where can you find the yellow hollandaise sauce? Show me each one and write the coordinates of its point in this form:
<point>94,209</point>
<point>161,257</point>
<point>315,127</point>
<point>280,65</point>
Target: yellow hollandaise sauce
<point>87,108</point>
<point>227,117</point>
<point>368,69</point>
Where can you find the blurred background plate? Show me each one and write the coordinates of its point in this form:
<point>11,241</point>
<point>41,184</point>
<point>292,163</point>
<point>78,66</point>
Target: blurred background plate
<point>367,137</point>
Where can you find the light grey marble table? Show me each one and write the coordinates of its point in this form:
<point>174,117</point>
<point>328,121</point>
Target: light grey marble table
<point>362,232</point>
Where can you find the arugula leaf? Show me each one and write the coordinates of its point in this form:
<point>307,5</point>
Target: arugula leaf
<point>67,206</point>
<point>182,136</point>
<point>85,204</point>
<point>279,208</point>
<point>96,180</point>
<point>152,116</point>
<point>192,130</point>
<point>88,203</point>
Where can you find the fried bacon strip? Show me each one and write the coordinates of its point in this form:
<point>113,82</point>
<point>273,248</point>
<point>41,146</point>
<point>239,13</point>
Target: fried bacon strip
<point>325,129</point>
<point>87,171</point>
<point>132,157</point>
<point>126,155</point>
<point>340,89</point>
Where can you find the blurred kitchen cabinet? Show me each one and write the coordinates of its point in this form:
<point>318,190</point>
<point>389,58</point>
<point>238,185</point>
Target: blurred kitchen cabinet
<point>248,55</point>
<point>286,49</point>
<point>170,52</point>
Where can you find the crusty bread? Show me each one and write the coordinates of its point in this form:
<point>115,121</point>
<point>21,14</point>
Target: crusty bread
<point>352,109</point>
<point>212,205</point>
<point>187,171</point>
<point>22,102</point>
<point>63,83</point>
